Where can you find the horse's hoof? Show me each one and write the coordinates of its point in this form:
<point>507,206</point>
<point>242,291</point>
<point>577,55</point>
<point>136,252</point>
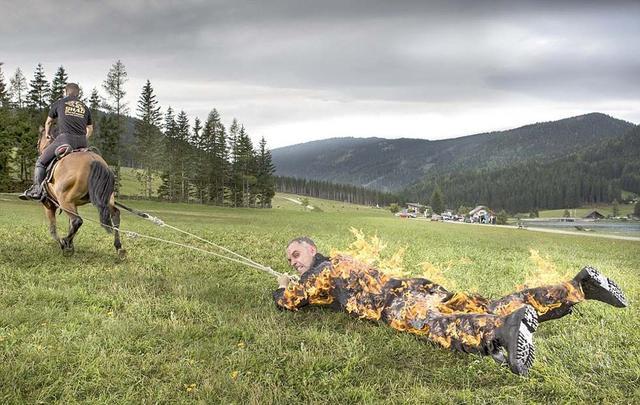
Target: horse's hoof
<point>68,252</point>
<point>122,254</point>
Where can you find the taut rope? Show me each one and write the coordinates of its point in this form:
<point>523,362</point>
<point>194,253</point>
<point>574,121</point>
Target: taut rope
<point>238,258</point>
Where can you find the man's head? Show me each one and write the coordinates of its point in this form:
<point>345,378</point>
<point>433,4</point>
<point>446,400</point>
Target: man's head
<point>300,253</point>
<point>72,90</point>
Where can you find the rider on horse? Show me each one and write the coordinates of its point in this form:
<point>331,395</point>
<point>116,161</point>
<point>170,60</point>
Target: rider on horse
<point>75,127</point>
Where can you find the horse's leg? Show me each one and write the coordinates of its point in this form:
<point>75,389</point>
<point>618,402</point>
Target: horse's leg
<point>115,219</point>
<point>75,222</point>
<point>51,215</point>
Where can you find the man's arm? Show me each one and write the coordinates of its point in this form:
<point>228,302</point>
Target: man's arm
<point>47,126</point>
<point>294,295</point>
<point>89,131</point>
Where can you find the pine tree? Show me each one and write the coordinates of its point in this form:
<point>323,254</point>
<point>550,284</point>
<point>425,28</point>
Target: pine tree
<point>18,88</point>
<point>4,91</point>
<point>57,85</point>
<point>95,101</point>
<point>247,167</point>
<point>181,155</point>
<point>114,86</point>
<point>437,201</point>
<point>214,159</point>
<point>266,169</point>
<point>221,157</point>
<point>502,217</point>
<point>169,186</point>
<point>195,133</point>
<point>199,175</point>
<point>6,146</point>
<point>148,137</point>
<point>23,131</point>
<point>107,139</point>
<point>235,179</point>
<point>81,95</point>
<point>94,105</point>
<point>39,92</point>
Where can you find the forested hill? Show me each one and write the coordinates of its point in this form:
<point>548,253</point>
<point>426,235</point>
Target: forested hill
<point>596,174</point>
<point>392,164</point>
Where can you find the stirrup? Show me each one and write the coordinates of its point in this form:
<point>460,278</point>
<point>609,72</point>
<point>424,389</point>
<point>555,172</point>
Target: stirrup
<point>32,193</point>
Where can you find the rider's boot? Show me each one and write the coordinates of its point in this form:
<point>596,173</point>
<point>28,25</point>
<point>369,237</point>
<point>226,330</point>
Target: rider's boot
<point>35,191</point>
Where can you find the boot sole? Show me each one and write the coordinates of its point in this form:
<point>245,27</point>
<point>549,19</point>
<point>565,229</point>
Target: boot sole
<point>521,356</point>
<point>604,289</point>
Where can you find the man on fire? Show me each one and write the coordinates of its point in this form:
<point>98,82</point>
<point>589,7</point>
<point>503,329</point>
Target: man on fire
<point>502,328</point>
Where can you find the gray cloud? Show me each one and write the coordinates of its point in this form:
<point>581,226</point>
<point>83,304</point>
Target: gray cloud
<point>420,52</point>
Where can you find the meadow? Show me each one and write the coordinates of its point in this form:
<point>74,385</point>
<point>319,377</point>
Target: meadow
<point>173,325</point>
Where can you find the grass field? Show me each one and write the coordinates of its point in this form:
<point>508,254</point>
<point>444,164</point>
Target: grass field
<point>605,210</point>
<point>173,325</point>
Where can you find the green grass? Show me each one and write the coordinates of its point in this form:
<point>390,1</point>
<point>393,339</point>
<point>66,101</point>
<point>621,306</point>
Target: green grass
<point>131,186</point>
<point>173,325</point>
<point>605,210</point>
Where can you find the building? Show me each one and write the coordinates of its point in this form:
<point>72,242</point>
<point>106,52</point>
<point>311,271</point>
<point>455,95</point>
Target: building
<point>594,215</point>
<point>415,208</point>
<point>482,214</point>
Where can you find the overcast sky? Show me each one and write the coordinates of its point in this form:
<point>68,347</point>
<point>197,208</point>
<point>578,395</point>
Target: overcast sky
<point>294,71</point>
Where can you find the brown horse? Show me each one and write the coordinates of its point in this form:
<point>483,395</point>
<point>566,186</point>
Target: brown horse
<point>79,178</point>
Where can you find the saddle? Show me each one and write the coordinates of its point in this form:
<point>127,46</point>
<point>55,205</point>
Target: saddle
<point>60,152</point>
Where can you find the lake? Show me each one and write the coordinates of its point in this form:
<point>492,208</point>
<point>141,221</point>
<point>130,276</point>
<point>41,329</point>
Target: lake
<point>602,226</point>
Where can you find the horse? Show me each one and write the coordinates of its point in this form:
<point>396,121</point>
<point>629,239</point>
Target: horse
<point>77,179</point>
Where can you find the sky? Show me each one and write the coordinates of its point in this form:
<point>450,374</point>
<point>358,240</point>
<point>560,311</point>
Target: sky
<point>296,70</point>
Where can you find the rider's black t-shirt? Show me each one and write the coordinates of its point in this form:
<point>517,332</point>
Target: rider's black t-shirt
<point>72,114</point>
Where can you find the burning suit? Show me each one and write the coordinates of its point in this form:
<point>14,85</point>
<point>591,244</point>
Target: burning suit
<point>458,321</point>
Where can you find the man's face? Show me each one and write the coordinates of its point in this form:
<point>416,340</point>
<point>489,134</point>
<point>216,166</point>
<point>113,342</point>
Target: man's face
<point>300,256</point>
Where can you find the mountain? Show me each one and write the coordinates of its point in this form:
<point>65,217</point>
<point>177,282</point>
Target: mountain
<point>392,164</point>
<point>596,174</point>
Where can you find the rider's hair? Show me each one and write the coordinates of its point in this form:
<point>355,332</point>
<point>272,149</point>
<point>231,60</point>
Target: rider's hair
<point>303,239</point>
<point>72,89</point>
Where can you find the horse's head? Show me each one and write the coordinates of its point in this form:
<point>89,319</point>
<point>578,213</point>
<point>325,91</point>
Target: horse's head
<point>43,140</point>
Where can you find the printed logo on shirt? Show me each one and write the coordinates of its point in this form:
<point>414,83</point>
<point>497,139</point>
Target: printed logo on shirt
<point>74,108</point>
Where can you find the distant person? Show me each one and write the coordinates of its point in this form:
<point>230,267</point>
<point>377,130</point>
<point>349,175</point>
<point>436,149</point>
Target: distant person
<point>501,328</point>
<point>74,128</point>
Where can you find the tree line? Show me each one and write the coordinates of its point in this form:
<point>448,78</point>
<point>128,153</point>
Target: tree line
<point>204,162</point>
<point>332,191</point>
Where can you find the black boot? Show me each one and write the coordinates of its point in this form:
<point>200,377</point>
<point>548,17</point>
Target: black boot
<point>516,336</point>
<point>35,191</point>
<point>596,286</point>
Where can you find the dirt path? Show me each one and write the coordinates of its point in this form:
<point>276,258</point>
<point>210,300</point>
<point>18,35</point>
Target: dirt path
<point>297,202</point>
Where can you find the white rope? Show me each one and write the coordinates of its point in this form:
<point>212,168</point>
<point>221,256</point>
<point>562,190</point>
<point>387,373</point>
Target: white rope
<point>242,260</point>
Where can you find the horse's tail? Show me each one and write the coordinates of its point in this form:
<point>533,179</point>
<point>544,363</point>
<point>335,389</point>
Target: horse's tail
<point>101,185</point>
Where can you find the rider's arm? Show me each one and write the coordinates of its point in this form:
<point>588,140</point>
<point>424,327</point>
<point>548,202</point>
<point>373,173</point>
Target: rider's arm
<point>89,123</point>
<point>47,126</point>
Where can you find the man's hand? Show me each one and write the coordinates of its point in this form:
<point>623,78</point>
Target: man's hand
<point>283,281</point>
